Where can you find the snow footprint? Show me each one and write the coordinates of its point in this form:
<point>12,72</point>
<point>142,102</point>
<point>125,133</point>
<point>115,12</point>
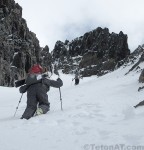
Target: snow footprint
<point>132,139</point>
<point>60,121</point>
<point>128,113</point>
<point>104,134</point>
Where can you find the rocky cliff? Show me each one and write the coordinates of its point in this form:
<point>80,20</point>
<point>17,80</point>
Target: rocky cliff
<point>95,53</point>
<point>19,47</point>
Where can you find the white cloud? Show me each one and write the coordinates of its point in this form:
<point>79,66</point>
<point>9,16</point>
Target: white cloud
<point>54,20</point>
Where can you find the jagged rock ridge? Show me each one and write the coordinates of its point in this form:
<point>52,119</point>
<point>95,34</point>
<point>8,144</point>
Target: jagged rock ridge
<point>95,53</point>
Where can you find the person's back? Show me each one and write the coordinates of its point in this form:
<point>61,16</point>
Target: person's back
<point>35,75</point>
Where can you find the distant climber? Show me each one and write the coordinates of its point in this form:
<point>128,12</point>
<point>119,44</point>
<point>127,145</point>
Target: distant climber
<point>77,77</point>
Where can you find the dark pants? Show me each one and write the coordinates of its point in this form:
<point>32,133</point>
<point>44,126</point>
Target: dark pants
<point>36,96</point>
<point>76,81</point>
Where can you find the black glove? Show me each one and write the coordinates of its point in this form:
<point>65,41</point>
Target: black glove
<point>60,81</point>
<point>23,89</point>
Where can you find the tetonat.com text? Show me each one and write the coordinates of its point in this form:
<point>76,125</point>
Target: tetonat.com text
<point>113,147</point>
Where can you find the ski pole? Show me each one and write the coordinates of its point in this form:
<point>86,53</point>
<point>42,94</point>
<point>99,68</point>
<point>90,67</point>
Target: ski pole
<point>18,105</point>
<point>60,98</point>
<point>59,90</point>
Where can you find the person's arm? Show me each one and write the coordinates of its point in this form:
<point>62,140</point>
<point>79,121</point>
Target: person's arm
<point>23,88</point>
<point>19,83</point>
<point>53,83</point>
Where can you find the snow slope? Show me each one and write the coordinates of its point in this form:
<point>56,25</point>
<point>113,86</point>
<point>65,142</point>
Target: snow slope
<point>98,112</point>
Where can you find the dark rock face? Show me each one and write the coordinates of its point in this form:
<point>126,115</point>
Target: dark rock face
<point>19,47</point>
<point>136,59</point>
<point>141,78</point>
<point>100,52</point>
<point>46,58</point>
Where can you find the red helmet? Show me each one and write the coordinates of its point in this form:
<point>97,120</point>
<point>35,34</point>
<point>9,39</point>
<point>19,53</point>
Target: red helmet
<point>36,69</point>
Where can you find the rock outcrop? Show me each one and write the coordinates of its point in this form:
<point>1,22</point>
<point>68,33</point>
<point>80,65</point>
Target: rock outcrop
<point>19,47</point>
<point>95,53</point>
<point>136,59</point>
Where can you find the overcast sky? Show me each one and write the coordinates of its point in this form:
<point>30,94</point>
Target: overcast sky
<point>53,20</point>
